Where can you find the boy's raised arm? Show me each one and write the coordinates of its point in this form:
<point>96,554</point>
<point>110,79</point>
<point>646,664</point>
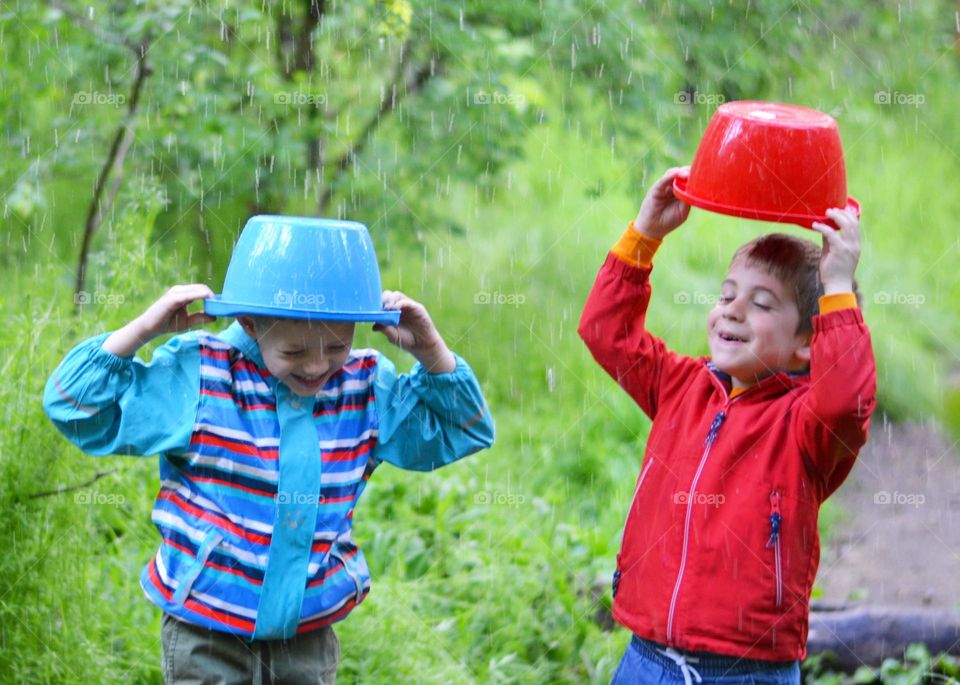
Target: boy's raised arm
<point>435,415</point>
<point>613,321</point>
<point>107,402</point>
<point>835,414</point>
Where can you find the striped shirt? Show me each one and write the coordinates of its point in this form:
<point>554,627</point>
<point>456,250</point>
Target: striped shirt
<point>258,485</point>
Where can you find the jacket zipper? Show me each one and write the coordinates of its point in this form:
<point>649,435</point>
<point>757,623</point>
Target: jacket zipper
<point>707,444</point>
<point>774,541</point>
<point>616,572</point>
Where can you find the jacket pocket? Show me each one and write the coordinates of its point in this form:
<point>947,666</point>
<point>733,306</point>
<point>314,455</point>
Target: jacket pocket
<point>192,571</point>
<point>774,542</point>
<point>346,554</point>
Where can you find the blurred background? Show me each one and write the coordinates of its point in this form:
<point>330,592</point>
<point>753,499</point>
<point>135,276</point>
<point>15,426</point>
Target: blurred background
<point>495,150</point>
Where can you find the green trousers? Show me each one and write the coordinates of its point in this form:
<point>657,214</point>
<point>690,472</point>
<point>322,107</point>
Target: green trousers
<point>193,655</point>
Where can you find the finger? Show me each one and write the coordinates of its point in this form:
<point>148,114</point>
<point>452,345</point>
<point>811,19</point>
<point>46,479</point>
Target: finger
<point>828,232</point>
<point>198,318</point>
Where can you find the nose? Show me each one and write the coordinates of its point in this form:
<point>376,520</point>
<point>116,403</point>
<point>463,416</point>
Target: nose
<point>316,366</point>
<point>732,310</point>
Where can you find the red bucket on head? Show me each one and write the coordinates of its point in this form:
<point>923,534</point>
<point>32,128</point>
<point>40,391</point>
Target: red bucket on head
<point>768,161</point>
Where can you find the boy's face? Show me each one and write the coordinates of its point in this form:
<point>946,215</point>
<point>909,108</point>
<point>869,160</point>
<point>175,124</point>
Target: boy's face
<point>752,331</point>
<point>302,355</point>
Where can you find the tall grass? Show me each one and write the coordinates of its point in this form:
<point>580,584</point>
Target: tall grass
<point>495,569</point>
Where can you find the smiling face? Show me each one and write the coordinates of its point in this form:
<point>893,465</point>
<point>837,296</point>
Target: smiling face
<point>302,355</point>
<point>754,331</point>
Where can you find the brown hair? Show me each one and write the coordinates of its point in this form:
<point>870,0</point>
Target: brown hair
<point>796,264</point>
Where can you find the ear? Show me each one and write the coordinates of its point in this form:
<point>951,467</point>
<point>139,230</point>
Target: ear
<point>803,351</point>
<point>249,325</point>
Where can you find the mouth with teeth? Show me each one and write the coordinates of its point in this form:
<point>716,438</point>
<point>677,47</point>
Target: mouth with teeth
<point>314,383</point>
<point>730,337</point>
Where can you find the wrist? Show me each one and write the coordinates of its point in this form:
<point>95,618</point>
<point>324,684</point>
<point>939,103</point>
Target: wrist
<point>646,231</point>
<point>837,286</point>
<point>436,358</point>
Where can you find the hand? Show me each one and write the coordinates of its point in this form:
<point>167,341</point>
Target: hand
<point>840,252</point>
<point>661,212</point>
<point>167,315</point>
<point>416,333</point>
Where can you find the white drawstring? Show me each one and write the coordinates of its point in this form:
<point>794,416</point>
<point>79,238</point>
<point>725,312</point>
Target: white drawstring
<point>681,661</point>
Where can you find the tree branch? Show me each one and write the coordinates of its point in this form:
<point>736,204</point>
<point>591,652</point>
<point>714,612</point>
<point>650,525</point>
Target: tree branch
<point>122,140</point>
<point>70,488</point>
<point>402,84</point>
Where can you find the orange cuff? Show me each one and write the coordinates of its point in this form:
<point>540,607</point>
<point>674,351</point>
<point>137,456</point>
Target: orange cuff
<point>636,249</point>
<point>838,301</point>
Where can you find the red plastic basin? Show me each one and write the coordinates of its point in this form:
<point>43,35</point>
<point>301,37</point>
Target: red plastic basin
<point>768,161</point>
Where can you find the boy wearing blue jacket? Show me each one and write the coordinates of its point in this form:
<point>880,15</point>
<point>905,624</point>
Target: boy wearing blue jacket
<point>267,434</point>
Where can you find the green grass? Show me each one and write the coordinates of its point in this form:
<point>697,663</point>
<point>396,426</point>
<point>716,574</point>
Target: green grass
<point>489,570</point>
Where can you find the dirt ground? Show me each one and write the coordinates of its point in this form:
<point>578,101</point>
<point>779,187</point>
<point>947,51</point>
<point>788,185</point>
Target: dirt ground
<point>898,543</point>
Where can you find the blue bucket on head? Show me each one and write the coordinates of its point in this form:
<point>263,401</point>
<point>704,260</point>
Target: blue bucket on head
<point>302,268</point>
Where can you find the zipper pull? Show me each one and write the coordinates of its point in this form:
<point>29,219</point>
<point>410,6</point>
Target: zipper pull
<point>775,518</point>
<point>714,428</point>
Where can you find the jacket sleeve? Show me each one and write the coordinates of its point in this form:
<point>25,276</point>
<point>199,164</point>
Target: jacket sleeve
<point>105,404</point>
<point>612,326</point>
<point>834,414</point>
<point>429,420</point>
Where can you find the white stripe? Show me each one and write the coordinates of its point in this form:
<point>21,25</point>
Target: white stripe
<point>344,477</point>
<point>346,443</point>
<point>211,371</point>
<point>215,344</point>
<point>243,436</point>
<point>253,386</point>
<point>196,536</point>
<point>231,466</point>
<point>345,386</point>
<point>225,606</point>
<point>194,498</point>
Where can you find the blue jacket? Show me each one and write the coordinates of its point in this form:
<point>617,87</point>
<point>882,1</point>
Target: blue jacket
<point>258,485</point>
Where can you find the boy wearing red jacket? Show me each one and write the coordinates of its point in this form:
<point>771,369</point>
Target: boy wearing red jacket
<point>720,547</point>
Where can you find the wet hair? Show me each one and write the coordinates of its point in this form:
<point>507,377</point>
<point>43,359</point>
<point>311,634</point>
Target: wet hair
<point>796,264</point>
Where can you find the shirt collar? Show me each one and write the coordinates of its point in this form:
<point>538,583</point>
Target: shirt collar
<point>236,337</point>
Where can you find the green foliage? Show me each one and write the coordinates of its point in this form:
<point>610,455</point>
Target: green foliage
<point>493,187</point>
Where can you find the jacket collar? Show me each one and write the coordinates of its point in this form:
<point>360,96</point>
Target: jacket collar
<point>237,338</point>
<point>774,384</point>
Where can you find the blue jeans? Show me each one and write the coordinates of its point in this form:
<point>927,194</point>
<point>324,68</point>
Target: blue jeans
<point>649,663</point>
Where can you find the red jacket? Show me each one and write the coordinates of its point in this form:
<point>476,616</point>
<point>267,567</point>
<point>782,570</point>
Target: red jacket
<point>720,547</point>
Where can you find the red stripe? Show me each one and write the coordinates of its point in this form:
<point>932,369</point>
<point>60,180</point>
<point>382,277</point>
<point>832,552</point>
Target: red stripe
<point>268,453</point>
<point>237,486</point>
<point>337,410</point>
<point>193,605</point>
<point>216,354</point>
<point>347,454</point>
<point>326,620</point>
<point>234,571</point>
<point>222,522</point>
<point>219,616</point>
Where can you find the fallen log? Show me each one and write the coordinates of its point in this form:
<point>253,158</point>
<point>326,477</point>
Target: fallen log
<point>860,636</point>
